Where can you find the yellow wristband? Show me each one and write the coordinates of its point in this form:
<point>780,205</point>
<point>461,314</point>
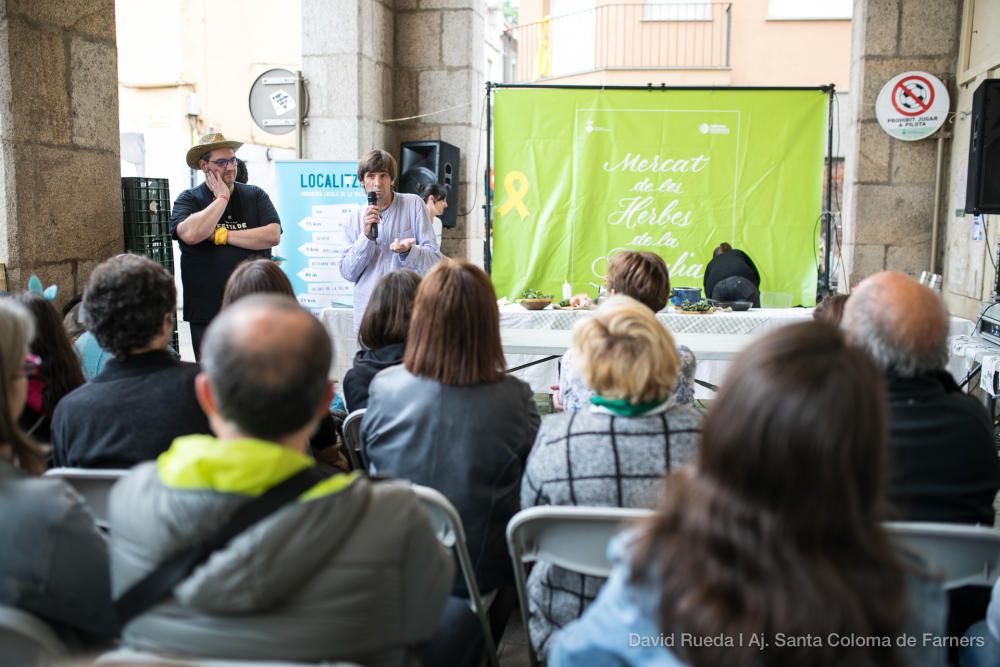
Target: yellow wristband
<point>221,235</point>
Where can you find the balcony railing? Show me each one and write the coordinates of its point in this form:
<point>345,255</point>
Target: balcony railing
<point>657,36</point>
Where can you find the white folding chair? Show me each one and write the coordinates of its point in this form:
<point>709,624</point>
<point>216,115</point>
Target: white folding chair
<point>574,538</point>
<point>448,527</point>
<point>968,555</point>
<point>352,438</point>
<point>128,658</point>
<point>94,484</point>
<point>26,639</point>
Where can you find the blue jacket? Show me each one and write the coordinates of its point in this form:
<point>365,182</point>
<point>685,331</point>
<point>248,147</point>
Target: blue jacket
<point>621,628</point>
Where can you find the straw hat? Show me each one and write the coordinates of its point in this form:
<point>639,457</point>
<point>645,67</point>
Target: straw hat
<point>207,143</point>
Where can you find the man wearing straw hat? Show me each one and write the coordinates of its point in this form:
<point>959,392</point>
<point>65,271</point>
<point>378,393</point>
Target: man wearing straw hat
<point>219,224</point>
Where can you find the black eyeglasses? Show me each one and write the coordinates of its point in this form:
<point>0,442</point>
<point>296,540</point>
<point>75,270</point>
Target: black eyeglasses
<point>224,163</point>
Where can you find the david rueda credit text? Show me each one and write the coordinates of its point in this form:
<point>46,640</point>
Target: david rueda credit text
<point>781,640</point>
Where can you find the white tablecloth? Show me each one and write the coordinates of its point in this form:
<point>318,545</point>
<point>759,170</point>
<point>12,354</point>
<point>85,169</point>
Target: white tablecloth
<point>751,322</point>
<point>339,322</point>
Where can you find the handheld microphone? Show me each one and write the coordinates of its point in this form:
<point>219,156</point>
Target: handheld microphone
<point>372,200</point>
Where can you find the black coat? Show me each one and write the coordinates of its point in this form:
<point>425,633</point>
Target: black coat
<point>942,460</point>
<point>129,413</point>
<point>728,264</point>
<point>367,364</point>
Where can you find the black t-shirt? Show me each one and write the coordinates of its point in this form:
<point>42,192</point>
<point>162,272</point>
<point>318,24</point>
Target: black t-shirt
<point>205,267</point>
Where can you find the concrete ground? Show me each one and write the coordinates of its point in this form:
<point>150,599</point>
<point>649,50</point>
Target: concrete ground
<point>513,648</point>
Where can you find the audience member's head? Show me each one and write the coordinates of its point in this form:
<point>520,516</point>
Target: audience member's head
<point>16,332</point>
<point>831,309</point>
<point>129,305</point>
<point>788,487</point>
<point>435,195</point>
<point>455,329</point>
<point>266,362</point>
<point>242,175</point>
<point>903,324</point>
<point>623,352</point>
<point>435,190</point>
<point>256,276</point>
<point>723,247</point>
<point>71,317</point>
<point>640,275</point>
<point>60,368</point>
<point>390,306</point>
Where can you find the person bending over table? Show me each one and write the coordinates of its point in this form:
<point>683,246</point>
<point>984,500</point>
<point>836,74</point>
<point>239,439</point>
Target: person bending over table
<point>393,234</point>
<point>732,276</point>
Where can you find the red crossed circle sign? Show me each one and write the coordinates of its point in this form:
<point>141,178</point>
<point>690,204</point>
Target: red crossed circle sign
<point>912,95</point>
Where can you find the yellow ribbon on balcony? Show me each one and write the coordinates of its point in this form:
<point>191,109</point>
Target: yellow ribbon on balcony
<point>543,56</point>
<point>515,186</point>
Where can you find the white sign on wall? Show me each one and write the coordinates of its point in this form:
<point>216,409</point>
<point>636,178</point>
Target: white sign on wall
<point>912,106</point>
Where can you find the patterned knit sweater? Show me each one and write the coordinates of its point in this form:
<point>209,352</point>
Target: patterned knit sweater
<point>593,458</point>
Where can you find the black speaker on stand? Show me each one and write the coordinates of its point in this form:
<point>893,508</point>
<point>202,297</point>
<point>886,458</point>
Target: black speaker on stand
<point>982,193</point>
<point>424,162</point>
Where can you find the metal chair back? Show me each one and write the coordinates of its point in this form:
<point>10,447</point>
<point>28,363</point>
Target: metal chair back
<point>94,484</point>
<point>967,555</point>
<point>447,525</point>
<point>573,538</point>
<point>352,439</point>
<point>27,640</point>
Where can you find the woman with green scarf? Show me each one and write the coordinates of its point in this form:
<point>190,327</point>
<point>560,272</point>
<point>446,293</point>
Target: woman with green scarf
<point>613,454</point>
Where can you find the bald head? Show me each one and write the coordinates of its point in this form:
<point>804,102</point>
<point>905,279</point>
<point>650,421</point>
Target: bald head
<point>902,323</point>
<point>267,361</point>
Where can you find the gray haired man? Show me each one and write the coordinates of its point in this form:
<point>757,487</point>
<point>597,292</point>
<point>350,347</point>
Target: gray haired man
<point>944,465</point>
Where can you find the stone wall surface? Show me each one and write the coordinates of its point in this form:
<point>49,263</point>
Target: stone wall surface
<point>968,270</point>
<point>889,194</point>
<point>380,73</point>
<point>60,200</point>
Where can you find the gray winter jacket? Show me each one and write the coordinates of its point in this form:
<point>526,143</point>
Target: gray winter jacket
<point>352,571</point>
<point>53,562</point>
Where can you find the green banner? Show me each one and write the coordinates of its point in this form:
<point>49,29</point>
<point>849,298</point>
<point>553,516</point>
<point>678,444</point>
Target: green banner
<point>581,174</point>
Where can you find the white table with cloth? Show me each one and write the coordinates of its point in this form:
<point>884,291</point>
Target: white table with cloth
<point>339,323</point>
<point>752,322</point>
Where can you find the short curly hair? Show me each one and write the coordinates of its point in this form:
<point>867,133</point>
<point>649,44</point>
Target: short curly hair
<point>125,302</point>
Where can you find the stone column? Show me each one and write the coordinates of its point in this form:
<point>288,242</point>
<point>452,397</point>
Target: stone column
<point>439,76</point>
<point>60,193</point>
<point>889,190</point>
<point>347,61</point>
<point>371,62</point>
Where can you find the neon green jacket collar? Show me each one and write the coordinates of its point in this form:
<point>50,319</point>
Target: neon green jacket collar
<point>246,466</point>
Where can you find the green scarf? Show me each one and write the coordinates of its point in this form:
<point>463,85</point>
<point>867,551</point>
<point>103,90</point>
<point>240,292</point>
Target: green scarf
<point>622,408</point>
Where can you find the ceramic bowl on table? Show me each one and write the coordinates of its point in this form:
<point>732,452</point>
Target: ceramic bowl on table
<point>535,304</point>
<point>682,294</point>
<point>733,305</point>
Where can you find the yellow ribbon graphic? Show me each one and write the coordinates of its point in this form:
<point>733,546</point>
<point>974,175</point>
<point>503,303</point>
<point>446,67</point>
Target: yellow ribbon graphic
<point>515,186</point>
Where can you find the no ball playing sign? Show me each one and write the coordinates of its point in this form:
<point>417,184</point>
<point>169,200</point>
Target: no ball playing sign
<point>912,105</point>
